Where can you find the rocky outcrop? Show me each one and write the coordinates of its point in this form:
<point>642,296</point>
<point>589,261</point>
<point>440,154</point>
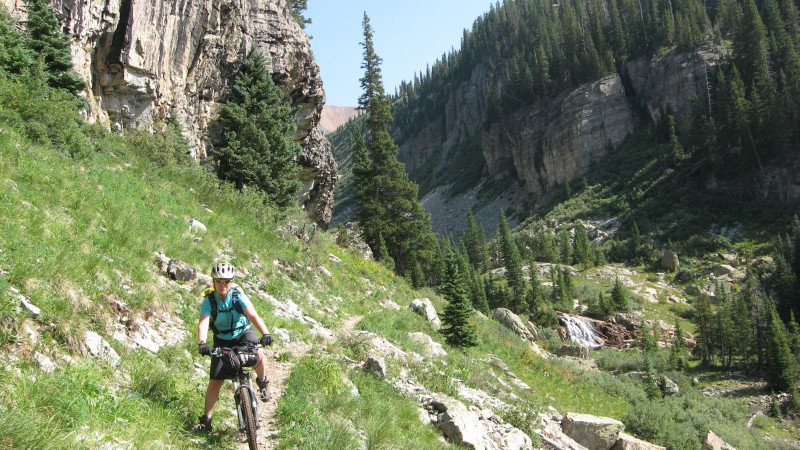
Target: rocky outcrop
<point>552,142</point>
<point>526,330</point>
<point>714,442</point>
<point>628,442</point>
<point>424,307</point>
<point>670,81</point>
<point>472,427</point>
<point>592,432</point>
<point>147,61</point>
<point>556,140</point>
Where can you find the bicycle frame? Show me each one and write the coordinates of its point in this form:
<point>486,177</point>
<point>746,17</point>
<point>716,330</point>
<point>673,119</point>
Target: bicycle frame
<point>242,381</point>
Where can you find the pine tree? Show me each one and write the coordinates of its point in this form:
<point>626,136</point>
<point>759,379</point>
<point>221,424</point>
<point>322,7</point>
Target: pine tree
<point>583,249</point>
<point>480,301</point>
<point>782,372</point>
<point>417,277</point>
<point>702,133</point>
<point>474,243</point>
<point>298,7</point>
<point>388,203</point>
<point>750,49</point>
<point>458,330</point>
<point>258,145</point>
<point>635,242</point>
<point>675,144</point>
<point>549,247</point>
<point>536,293</point>
<point>45,39</point>
<point>677,359</point>
<point>565,245</point>
<point>513,262</point>
<point>704,319</point>
<point>619,295</point>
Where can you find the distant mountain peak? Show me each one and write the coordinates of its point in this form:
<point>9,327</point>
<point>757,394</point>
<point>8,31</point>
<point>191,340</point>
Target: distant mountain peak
<point>335,116</point>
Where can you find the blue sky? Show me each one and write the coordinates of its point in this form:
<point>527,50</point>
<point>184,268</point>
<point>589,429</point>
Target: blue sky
<point>407,34</point>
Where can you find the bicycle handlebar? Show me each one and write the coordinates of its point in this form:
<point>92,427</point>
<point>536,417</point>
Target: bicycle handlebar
<point>249,347</point>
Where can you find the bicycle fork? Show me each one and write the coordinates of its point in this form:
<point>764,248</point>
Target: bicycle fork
<point>238,386</point>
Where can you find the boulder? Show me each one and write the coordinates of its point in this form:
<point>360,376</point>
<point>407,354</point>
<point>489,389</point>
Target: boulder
<point>375,365</point>
<point>628,442</point>
<point>596,433</point>
<point>45,363</point>
<point>669,387</point>
<point>425,308</point>
<point>195,226</point>
<point>429,346</point>
<point>714,442</point>
<point>390,305</point>
<point>180,271</point>
<point>514,323</point>
<point>669,261</point>
<point>25,302</point>
<point>720,270</point>
<point>100,348</point>
<point>551,433</point>
<point>459,424</point>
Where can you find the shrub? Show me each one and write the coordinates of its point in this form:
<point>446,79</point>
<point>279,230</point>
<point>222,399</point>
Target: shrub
<point>45,115</point>
<point>614,360</point>
<point>166,147</point>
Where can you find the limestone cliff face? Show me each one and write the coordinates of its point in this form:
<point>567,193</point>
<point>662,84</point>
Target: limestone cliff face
<point>554,141</point>
<point>557,141</point>
<point>147,60</point>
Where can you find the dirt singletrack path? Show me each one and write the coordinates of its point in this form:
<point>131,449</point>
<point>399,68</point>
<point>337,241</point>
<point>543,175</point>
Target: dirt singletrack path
<point>277,372</point>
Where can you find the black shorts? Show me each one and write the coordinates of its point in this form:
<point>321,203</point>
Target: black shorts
<point>218,370</point>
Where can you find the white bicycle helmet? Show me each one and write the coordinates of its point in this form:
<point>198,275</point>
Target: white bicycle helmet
<point>223,271</point>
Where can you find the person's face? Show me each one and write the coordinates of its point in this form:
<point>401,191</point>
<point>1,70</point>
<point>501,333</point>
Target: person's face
<point>222,286</point>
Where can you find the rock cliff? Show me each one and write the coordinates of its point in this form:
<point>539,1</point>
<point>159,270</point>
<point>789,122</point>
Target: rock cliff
<point>147,60</point>
<point>553,141</point>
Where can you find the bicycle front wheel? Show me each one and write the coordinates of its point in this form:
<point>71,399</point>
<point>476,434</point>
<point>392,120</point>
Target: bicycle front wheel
<point>246,399</point>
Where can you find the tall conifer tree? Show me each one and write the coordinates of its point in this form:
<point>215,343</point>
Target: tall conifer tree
<point>388,203</point>
<point>458,330</point>
<point>782,369</point>
<point>513,263</point>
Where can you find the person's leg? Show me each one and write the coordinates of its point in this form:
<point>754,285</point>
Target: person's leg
<point>212,395</point>
<point>216,378</point>
<point>261,367</point>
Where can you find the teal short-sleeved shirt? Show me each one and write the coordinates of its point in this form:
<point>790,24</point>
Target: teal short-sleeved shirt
<point>227,316</point>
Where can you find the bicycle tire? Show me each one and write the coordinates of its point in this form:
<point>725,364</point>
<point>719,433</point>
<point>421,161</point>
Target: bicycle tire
<point>247,415</point>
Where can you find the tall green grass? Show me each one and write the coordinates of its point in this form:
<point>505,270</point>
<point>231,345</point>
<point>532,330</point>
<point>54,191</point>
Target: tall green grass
<point>319,411</point>
<point>81,407</point>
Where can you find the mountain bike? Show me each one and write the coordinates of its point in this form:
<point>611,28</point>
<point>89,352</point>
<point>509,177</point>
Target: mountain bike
<point>237,359</point>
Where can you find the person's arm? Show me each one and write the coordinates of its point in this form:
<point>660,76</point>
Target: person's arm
<point>255,319</point>
<point>202,327</point>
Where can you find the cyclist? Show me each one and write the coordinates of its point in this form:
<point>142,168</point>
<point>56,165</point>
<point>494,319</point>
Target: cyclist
<point>227,310</point>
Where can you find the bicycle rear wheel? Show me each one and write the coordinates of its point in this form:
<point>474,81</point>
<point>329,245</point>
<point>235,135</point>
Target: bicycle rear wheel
<point>247,400</point>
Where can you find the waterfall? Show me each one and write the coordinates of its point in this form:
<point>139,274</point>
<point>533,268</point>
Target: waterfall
<point>581,331</point>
